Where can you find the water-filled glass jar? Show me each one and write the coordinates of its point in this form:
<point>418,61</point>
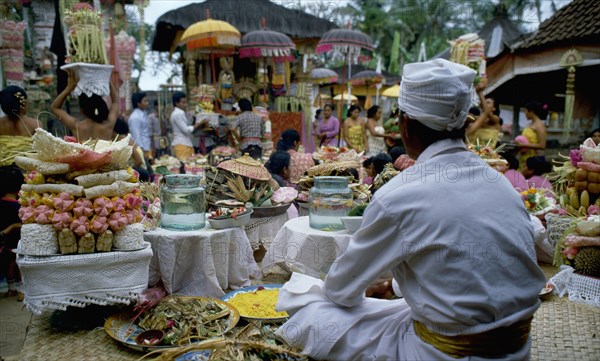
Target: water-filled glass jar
<point>329,200</point>
<point>182,202</point>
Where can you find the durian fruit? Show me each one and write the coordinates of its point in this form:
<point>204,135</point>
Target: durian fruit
<point>587,261</point>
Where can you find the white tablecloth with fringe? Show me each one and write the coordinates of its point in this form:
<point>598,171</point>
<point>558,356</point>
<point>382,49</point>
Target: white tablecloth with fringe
<point>299,248</point>
<point>56,282</point>
<point>262,230</point>
<point>203,262</point>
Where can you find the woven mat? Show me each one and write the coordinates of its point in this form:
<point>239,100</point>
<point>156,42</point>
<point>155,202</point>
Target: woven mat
<point>564,330</point>
<point>46,344</point>
<point>561,330</point>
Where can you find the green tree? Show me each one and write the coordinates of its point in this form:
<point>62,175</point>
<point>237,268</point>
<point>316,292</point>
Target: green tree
<point>434,22</point>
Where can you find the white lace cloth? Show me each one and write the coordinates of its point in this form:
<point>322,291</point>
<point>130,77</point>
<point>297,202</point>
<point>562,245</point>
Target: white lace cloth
<point>56,282</point>
<point>93,78</point>
<point>299,248</point>
<point>263,230</point>
<point>203,262</point>
<point>580,288</point>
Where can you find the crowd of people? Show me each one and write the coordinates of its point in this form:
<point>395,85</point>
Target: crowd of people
<point>453,300</point>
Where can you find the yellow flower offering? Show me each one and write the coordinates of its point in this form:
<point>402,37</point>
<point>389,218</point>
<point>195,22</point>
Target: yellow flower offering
<point>258,304</point>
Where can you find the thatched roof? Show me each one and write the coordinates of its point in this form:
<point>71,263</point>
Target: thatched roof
<point>575,23</point>
<point>390,78</point>
<point>244,15</point>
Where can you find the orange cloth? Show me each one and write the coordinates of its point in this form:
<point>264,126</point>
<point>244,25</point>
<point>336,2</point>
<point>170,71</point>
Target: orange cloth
<point>183,152</point>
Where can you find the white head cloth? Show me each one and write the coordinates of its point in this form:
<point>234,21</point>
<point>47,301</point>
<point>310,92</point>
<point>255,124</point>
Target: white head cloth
<point>437,93</point>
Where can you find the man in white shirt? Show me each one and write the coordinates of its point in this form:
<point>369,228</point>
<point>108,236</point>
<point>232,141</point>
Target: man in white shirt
<point>139,128</point>
<point>453,233</point>
<point>182,132</point>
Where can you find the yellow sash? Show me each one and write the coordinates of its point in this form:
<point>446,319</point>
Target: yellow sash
<point>494,343</point>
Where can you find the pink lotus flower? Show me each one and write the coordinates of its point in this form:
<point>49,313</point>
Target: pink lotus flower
<point>593,210</point>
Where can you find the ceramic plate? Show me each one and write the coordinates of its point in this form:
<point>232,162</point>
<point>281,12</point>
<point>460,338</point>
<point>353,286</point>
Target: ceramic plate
<point>194,356</point>
<point>232,294</point>
<point>120,327</point>
<point>16,251</point>
<point>270,211</point>
<point>144,246</point>
<point>547,290</point>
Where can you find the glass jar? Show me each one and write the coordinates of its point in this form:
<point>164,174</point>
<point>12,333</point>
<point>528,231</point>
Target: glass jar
<point>182,202</point>
<point>329,200</point>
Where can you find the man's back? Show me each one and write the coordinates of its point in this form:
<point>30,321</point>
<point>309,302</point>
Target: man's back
<point>466,243</point>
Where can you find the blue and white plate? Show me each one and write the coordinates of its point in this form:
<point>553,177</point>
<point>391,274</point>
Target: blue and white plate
<point>228,296</point>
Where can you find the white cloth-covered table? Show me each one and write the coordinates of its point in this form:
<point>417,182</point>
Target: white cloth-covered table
<point>299,248</point>
<point>264,229</point>
<point>203,262</point>
<point>56,282</point>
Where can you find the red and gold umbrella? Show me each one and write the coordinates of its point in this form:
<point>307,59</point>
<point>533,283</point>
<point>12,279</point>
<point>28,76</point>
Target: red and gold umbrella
<point>353,44</point>
<point>367,78</point>
<point>322,76</point>
<point>265,43</point>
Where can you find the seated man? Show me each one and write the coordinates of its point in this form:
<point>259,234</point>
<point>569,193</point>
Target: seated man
<point>470,283</point>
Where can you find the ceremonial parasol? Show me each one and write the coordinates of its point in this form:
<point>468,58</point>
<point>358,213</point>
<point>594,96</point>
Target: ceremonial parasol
<point>366,78</point>
<point>211,36</point>
<point>352,44</point>
<point>345,96</point>
<point>322,76</point>
<point>392,92</point>
<point>265,43</point>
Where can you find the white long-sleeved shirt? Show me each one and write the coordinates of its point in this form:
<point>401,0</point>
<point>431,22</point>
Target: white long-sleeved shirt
<point>181,130</point>
<point>457,239</point>
<point>139,129</point>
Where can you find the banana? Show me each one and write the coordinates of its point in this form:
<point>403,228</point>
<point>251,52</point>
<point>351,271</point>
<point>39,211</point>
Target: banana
<point>572,211</point>
<point>564,200</point>
<point>575,200</point>
<point>585,199</point>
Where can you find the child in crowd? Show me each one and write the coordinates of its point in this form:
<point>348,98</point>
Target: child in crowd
<point>369,169</point>
<point>534,171</point>
<point>279,167</point>
<point>596,136</point>
<point>514,176</point>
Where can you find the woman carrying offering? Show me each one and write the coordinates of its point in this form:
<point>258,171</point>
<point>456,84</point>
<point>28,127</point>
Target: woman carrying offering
<point>98,122</point>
